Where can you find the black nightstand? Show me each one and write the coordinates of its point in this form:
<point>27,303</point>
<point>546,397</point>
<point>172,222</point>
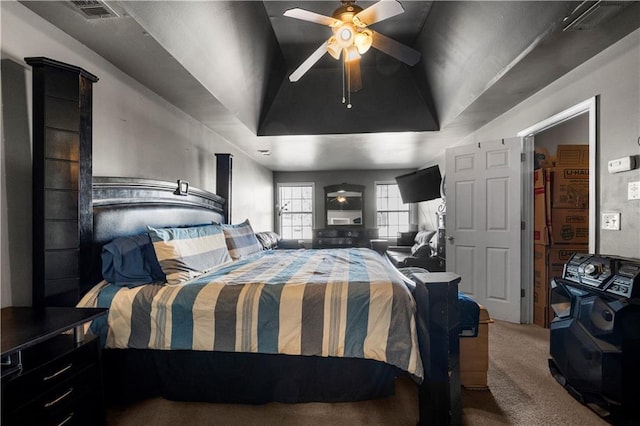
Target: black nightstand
<point>51,371</point>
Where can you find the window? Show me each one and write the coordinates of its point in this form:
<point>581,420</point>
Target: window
<point>393,215</point>
<point>295,209</point>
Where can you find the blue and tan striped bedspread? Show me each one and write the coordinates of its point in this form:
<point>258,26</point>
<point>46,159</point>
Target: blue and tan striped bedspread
<point>333,302</point>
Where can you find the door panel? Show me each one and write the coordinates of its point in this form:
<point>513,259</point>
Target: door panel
<point>497,274</point>
<point>497,197</point>
<point>483,212</point>
<point>464,196</point>
<point>465,256</point>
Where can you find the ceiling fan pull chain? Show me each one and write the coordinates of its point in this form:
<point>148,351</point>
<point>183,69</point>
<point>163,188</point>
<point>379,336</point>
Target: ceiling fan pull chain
<point>344,64</point>
<point>348,84</point>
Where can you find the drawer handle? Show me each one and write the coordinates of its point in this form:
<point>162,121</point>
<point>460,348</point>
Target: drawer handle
<point>67,419</point>
<point>57,373</point>
<point>58,399</point>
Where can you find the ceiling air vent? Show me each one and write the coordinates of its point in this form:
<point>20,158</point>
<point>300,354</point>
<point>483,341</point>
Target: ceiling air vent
<point>592,14</point>
<point>94,9</point>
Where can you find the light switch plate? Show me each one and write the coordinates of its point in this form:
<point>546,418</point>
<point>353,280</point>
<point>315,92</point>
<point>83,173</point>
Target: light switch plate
<point>621,164</point>
<point>611,221</point>
<point>633,191</point>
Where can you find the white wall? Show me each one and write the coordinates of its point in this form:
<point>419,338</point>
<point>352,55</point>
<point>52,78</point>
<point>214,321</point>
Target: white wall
<point>614,77</point>
<point>135,133</point>
<point>428,210</point>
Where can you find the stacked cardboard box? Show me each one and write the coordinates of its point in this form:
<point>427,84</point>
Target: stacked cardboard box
<point>548,263</point>
<point>570,204</point>
<point>561,224</point>
<point>540,230</point>
<point>474,355</point>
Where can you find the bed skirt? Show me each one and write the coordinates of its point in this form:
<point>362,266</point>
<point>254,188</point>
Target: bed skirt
<point>134,374</point>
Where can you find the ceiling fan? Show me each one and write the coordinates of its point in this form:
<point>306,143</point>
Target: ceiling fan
<point>352,38</point>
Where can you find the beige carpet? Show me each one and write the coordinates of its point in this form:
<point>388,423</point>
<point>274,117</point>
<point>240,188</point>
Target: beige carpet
<point>522,392</point>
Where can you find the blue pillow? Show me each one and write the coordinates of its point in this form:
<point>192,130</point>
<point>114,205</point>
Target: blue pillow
<point>131,261</point>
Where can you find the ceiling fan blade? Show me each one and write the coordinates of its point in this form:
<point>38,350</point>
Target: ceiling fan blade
<point>309,62</point>
<point>353,74</point>
<point>380,11</point>
<point>305,15</point>
<point>395,49</point>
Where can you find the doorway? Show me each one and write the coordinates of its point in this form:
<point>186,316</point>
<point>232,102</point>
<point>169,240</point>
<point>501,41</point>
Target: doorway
<point>576,125</point>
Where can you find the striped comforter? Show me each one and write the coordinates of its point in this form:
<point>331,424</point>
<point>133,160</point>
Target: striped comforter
<point>335,302</point>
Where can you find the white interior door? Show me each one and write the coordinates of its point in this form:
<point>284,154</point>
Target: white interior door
<point>483,223</point>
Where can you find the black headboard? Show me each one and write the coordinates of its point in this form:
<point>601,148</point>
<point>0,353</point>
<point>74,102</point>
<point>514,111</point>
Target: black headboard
<point>125,206</point>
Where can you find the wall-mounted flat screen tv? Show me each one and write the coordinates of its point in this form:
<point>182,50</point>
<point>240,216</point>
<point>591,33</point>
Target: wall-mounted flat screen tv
<point>421,185</point>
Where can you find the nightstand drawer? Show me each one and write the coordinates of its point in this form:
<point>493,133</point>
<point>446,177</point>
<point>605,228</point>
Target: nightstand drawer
<point>75,401</point>
<point>47,365</point>
<point>343,237</point>
<point>335,242</point>
<point>52,379</point>
<point>326,233</point>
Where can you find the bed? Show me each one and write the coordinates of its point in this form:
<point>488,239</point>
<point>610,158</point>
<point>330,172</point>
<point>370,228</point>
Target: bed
<point>233,334</point>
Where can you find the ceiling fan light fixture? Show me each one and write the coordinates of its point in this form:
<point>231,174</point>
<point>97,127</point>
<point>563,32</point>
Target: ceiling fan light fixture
<point>352,38</point>
<point>358,22</point>
<point>351,54</point>
<point>333,48</point>
<point>363,41</point>
<point>344,35</point>
<point>347,16</point>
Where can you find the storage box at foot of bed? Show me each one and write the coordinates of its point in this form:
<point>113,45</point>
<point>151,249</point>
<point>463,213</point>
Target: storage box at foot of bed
<point>474,355</point>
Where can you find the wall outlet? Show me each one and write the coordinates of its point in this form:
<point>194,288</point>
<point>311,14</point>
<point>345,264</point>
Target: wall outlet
<point>611,221</point>
<point>633,191</point>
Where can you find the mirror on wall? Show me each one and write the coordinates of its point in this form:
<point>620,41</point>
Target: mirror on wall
<point>344,205</point>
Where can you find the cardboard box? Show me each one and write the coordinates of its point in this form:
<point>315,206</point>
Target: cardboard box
<point>548,263</point>
<point>548,173</point>
<point>540,255</point>
<point>540,274</point>
<point>540,286</point>
<point>541,316</point>
<point>540,230</point>
<point>572,155</point>
<point>570,187</point>
<point>559,255</point>
<point>474,355</point>
<point>569,226</point>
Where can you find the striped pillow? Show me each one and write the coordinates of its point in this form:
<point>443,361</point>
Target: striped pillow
<point>241,240</point>
<point>185,253</point>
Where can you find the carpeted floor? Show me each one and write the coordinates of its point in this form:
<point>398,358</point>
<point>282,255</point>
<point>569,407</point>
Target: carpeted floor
<point>521,392</point>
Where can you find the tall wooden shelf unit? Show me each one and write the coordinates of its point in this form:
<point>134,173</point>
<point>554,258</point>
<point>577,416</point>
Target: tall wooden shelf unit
<point>62,178</point>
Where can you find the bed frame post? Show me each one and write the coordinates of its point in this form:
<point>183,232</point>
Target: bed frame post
<point>438,317</point>
<point>61,181</point>
<point>224,171</point>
